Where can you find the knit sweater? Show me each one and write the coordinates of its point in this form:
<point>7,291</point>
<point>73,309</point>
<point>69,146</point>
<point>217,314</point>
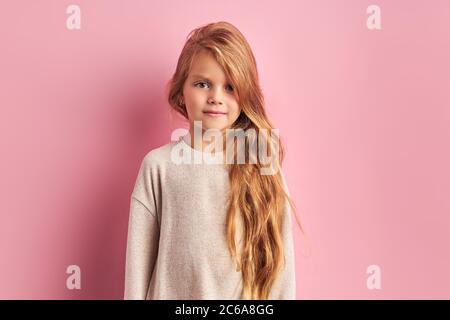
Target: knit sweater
<point>176,247</point>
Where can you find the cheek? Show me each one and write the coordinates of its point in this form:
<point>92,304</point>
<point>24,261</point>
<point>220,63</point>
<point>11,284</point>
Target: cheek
<point>191,98</point>
<point>235,110</point>
<point>194,99</point>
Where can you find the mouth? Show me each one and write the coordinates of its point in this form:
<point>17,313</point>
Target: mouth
<point>214,113</point>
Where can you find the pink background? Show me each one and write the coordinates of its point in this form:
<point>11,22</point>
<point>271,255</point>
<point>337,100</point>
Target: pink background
<point>365,115</point>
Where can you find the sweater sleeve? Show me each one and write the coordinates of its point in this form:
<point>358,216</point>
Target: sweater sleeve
<point>285,286</point>
<point>142,250</point>
<point>143,232</point>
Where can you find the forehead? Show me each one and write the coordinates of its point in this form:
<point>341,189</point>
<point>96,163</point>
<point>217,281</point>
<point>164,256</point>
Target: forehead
<point>206,66</point>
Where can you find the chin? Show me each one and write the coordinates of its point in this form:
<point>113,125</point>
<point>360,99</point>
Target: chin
<point>214,127</point>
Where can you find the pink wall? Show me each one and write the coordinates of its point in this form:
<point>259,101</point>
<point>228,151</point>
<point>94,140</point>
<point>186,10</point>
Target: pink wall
<point>365,115</point>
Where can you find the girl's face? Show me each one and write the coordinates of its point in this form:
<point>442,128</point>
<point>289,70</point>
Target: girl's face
<point>208,95</point>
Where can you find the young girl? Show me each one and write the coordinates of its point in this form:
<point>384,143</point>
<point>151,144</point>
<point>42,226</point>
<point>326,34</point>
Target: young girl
<point>203,230</point>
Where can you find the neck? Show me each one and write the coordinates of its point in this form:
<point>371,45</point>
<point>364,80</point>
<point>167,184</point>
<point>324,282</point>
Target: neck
<point>198,143</point>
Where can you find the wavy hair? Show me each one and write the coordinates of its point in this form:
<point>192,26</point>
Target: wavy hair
<point>255,200</point>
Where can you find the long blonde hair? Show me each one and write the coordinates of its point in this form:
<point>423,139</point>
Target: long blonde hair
<point>258,200</point>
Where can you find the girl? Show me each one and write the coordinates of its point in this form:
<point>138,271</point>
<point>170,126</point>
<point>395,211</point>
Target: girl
<point>211,231</point>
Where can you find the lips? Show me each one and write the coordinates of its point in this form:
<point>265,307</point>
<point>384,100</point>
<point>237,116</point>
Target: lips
<point>214,112</point>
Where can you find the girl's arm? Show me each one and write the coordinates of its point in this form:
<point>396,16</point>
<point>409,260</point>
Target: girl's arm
<point>142,250</point>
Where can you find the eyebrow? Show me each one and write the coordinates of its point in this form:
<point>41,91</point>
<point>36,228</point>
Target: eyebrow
<point>200,76</point>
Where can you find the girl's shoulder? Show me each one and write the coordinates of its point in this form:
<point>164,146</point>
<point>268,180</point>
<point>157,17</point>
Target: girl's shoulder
<point>159,155</point>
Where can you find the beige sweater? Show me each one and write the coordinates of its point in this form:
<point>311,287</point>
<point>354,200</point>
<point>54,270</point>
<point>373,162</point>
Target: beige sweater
<point>176,245</point>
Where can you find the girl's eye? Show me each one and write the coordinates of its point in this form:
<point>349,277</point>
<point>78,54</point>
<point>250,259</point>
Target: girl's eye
<point>204,84</point>
<point>201,83</point>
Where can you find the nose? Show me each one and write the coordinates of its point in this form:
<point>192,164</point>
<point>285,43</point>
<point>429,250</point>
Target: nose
<point>215,97</point>
<point>213,101</point>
